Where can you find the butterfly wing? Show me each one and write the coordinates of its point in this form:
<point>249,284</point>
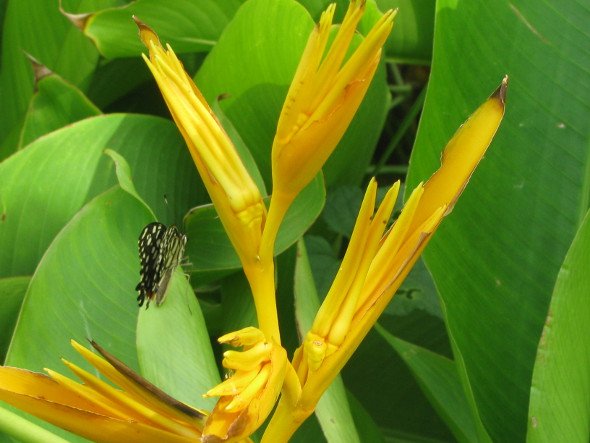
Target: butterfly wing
<point>152,261</point>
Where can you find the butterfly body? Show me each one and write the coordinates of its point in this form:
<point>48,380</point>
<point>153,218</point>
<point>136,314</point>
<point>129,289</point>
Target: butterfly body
<point>160,251</point>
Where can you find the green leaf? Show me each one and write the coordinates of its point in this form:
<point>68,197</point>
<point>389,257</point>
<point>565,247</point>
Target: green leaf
<point>173,346</point>
<point>342,206</point>
<point>25,430</point>
<point>324,263</point>
<point>439,380</point>
<point>496,257</point>
<point>332,411</point>
<point>55,104</point>
<point>186,26</point>
<point>384,385</point>
<point>12,292</point>
<point>38,29</point>
<point>411,38</point>
<point>254,63</point>
<point>90,268</point>
<point>559,407</point>
<point>45,184</point>
<point>209,249</point>
<point>367,428</point>
<point>123,172</point>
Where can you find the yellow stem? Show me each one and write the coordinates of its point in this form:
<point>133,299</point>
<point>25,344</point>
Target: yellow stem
<point>279,204</point>
<point>285,421</point>
<point>261,276</point>
<point>260,273</point>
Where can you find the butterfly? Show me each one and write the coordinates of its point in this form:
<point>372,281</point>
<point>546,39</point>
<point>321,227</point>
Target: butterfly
<point>160,251</point>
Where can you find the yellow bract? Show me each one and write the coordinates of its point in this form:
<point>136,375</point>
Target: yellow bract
<point>324,96</point>
<point>322,100</point>
<point>250,393</point>
<point>233,192</point>
<point>98,411</point>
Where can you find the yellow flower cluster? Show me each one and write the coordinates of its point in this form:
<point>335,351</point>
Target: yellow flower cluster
<point>326,92</point>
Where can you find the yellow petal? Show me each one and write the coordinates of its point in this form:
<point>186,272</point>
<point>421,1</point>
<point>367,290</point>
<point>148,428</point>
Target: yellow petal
<point>33,384</point>
<point>139,388</point>
<point>244,417</point>
<point>323,98</point>
<point>243,398</point>
<point>44,398</point>
<point>347,272</point>
<point>462,155</point>
<point>244,337</point>
<point>249,359</point>
<point>234,384</point>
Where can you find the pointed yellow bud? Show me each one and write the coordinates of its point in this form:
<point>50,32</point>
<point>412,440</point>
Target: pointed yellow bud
<point>233,192</point>
<point>324,96</point>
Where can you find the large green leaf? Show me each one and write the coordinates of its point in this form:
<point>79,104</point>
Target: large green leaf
<point>384,385</point>
<point>39,29</point>
<point>254,63</point>
<point>12,292</point>
<point>55,104</point>
<point>46,183</point>
<point>83,289</point>
<point>560,393</point>
<point>332,411</point>
<point>173,346</point>
<point>411,38</point>
<point>496,257</point>
<point>187,25</point>
<point>440,382</point>
<point>90,269</point>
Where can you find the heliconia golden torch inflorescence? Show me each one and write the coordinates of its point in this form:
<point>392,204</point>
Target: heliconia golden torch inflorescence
<point>326,91</point>
<point>375,264</point>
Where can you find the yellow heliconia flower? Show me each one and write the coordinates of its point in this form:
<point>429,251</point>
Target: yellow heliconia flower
<point>375,264</point>
<point>248,396</point>
<point>233,192</point>
<point>138,411</point>
<point>322,100</point>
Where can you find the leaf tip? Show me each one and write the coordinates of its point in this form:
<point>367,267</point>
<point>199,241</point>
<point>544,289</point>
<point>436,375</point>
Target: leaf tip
<point>78,20</point>
<point>500,92</point>
<point>40,71</point>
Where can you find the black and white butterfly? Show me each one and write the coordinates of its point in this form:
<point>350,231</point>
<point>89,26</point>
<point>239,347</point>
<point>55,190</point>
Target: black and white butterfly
<point>160,251</point>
